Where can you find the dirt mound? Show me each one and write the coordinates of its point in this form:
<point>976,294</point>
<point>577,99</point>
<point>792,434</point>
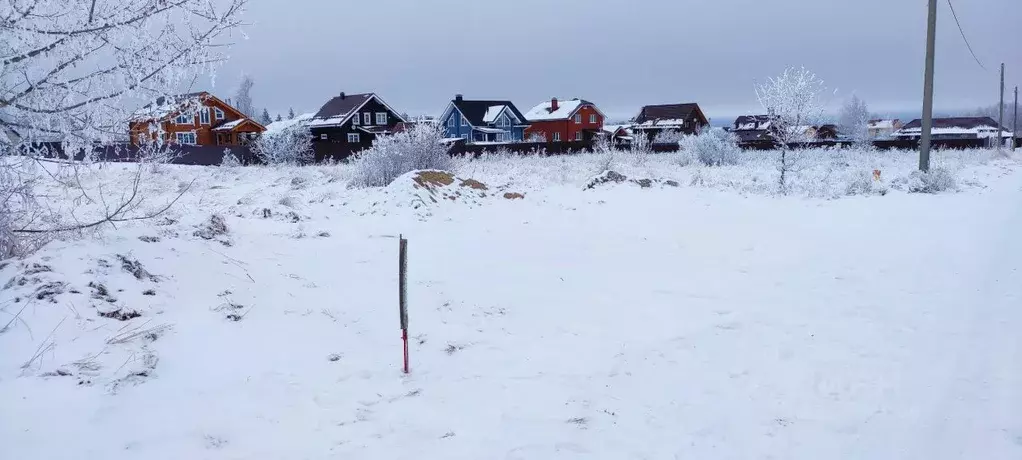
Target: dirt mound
<point>427,189</point>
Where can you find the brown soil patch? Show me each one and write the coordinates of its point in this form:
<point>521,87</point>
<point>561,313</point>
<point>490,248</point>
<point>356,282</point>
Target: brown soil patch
<point>472,183</point>
<point>514,196</point>
<point>433,178</point>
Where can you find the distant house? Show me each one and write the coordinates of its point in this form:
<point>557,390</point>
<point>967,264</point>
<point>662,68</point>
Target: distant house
<point>618,134</point>
<point>882,129</point>
<point>483,121</point>
<point>351,122</point>
<point>682,118</point>
<point>192,119</point>
<point>569,120</point>
<point>754,130</point>
<point>424,120</point>
<point>955,129</point>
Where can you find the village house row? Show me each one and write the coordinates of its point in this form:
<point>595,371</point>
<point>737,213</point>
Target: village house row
<point>351,122</point>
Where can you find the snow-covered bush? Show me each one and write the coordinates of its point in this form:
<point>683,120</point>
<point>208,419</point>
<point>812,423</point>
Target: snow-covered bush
<point>290,144</point>
<point>712,147</point>
<point>421,147</point>
<point>936,180</point>
<point>668,136</point>
<point>229,160</point>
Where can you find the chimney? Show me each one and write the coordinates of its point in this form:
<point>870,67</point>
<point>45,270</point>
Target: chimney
<point>553,104</point>
<point>458,97</point>
<point>342,95</point>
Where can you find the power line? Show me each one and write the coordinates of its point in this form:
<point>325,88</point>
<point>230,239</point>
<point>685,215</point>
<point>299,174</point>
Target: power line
<point>963,35</point>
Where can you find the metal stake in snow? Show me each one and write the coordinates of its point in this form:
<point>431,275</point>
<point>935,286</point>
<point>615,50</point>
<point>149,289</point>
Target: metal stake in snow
<point>402,273</point>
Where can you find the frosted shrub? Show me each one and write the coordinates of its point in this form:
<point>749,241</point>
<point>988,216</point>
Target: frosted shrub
<point>937,180</point>
<point>712,147</point>
<point>420,147</point>
<point>229,160</point>
<point>290,145</point>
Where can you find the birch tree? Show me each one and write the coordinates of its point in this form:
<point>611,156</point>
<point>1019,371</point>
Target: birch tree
<point>71,73</point>
<point>793,102</point>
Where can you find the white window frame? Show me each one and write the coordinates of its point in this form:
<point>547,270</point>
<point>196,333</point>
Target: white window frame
<point>323,136</point>
<point>464,121</point>
<point>354,138</point>
<point>578,118</point>
<point>592,118</point>
<point>557,136</point>
<point>466,135</point>
<point>218,114</point>
<point>367,118</point>
<point>182,116</point>
<point>451,122</point>
<point>179,135</point>
<point>578,136</point>
<point>204,116</point>
<point>381,118</point>
<point>356,120</point>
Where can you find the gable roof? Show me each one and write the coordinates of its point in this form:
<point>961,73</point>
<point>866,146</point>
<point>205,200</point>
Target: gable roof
<point>167,106</point>
<point>235,124</point>
<point>339,109</point>
<point>475,110</point>
<point>670,112</point>
<point>884,124</point>
<point>565,109</point>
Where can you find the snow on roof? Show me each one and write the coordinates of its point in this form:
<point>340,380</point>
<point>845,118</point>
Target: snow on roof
<point>230,125</point>
<point>491,130</point>
<point>882,124</point>
<point>165,106</point>
<point>657,123</point>
<point>614,128</point>
<point>493,112</point>
<point>284,124</point>
<point>543,112</point>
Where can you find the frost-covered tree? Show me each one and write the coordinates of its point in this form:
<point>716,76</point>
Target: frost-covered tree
<point>265,119</point>
<point>420,147</point>
<point>853,121</point>
<point>290,114</point>
<point>668,136</point>
<point>712,147</point>
<point>536,137</point>
<point>278,118</point>
<point>793,102</point>
<point>243,97</point>
<point>641,143</point>
<point>291,144</point>
<point>72,73</point>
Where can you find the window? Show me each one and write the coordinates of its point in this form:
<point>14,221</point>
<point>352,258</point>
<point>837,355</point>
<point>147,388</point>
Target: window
<point>184,119</point>
<point>557,136</point>
<point>592,118</point>
<point>204,116</point>
<point>578,136</point>
<point>323,136</point>
<point>451,122</point>
<point>464,136</point>
<point>142,139</point>
<point>464,121</point>
<point>381,118</point>
<point>353,138</point>
<point>500,137</point>
<point>185,138</point>
<point>217,113</point>
<point>578,118</point>
<point>367,119</point>
<point>356,120</point>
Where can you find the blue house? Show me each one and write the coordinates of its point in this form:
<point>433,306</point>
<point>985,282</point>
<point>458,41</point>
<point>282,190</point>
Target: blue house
<point>483,121</point>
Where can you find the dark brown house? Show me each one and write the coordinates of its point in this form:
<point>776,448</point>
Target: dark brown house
<point>350,123</point>
<point>682,118</point>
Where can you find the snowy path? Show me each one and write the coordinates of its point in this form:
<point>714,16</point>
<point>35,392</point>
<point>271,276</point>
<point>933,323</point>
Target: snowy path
<point>620,323</point>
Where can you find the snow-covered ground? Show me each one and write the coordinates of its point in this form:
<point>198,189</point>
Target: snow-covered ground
<point>712,319</point>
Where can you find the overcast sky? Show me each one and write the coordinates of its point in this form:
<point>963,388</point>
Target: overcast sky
<point>416,54</point>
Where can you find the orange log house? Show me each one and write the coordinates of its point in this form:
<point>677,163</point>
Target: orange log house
<point>193,119</point>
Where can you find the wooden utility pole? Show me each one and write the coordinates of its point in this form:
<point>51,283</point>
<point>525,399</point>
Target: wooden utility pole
<point>1000,116</point>
<point>927,128</point>
<point>1014,122</point>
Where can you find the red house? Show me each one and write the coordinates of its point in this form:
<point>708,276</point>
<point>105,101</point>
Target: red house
<point>561,121</point>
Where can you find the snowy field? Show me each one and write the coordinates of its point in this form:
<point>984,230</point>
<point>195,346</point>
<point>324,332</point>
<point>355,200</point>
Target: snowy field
<point>705,316</point>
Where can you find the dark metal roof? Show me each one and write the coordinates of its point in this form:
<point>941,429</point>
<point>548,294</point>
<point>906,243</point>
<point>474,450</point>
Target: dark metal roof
<point>668,112</point>
<point>955,122</point>
<point>341,106</point>
<point>745,119</point>
<point>475,110</point>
